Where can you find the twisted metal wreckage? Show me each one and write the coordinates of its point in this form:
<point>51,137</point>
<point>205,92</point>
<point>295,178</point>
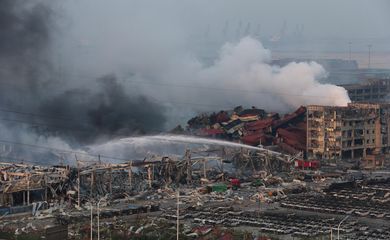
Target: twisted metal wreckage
<point>23,184</point>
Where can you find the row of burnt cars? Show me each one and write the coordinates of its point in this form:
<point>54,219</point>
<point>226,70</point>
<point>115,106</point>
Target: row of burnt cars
<point>306,215</point>
<point>362,199</point>
<point>278,223</point>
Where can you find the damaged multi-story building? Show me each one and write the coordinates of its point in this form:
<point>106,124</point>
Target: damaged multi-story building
<point>357,131</point>
<point>371,90</point>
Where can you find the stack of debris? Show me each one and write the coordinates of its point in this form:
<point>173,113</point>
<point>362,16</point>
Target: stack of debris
<point>254,127</point>
<point>23,184</point>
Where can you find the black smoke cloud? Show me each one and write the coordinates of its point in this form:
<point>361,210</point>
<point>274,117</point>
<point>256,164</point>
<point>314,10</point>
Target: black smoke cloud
<point>105,113</point>
<point>30,84</point>
<point>24,28</point>
<point>24,41</point>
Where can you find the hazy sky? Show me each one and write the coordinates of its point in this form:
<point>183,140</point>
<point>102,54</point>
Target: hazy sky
<point>109,31</point>
<point>330,18</point>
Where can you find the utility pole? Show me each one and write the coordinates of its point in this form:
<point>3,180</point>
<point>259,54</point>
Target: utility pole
<point>110,173</point>
<point>189,166</point>
<point>130,174</point>
<point>78,180</point>
<point>204,169</point>
<point>223,155</point>
<point>369,55</point>
<point>177,214</point>
<point>28,189</point>
<point>331,233</point>
<point>91,220</point>
<point>98,218</point>
<point>338,227</point>
<point>78,183</point>
<point>92,181</point>
<point>45,187</point>
<point>149,176</point>
<point>350,43</point>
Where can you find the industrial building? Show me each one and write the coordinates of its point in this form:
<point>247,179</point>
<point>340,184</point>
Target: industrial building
<point>371,90</point>
<point>357,131</point>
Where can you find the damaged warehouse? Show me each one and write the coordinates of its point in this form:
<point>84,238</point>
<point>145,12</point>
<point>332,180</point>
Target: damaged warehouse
<point>22,184</point>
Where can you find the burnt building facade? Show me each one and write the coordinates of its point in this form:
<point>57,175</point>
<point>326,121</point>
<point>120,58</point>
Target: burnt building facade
<point>357,131</point>
<point>371,90</point>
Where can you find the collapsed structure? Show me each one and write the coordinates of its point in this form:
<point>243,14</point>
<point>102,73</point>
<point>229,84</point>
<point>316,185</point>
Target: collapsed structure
<point>21,184</point>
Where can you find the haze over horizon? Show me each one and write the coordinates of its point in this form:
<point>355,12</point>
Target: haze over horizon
<point>348,20</point>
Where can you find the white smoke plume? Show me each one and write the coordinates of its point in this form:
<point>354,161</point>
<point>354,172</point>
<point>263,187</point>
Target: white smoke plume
<point>245,66</point>
<point>243,74</point>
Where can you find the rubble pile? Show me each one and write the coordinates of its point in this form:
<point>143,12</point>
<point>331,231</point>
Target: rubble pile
<point>254,127</point>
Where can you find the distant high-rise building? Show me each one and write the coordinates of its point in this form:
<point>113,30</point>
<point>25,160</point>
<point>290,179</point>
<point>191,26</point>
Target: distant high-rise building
<point>371,90</point>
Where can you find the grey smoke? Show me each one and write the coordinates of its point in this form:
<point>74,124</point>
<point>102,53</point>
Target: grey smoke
<point>24,40</point>
<point>109,112</point>
<point>24,29</point>
<point>60,110</point>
